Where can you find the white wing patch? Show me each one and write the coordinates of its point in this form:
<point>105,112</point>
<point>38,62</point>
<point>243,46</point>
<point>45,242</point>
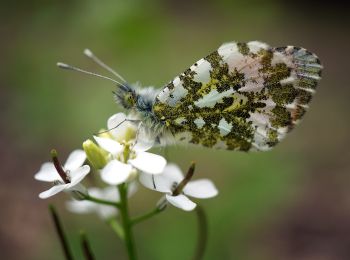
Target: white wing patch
<point>259,118</point>
<point>279,57</point>
<point>199,122</point>
<point>224,127</point>
<point>202,70</point>
<point>213,97</point>
<point>173,96</point>
<point>255,46</point>
<point>229,50</point>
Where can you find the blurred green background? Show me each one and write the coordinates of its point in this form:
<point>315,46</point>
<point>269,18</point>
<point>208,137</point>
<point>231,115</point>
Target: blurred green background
<point>290,203</point>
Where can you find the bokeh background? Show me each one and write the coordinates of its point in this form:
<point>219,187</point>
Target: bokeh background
<point>290,203</point>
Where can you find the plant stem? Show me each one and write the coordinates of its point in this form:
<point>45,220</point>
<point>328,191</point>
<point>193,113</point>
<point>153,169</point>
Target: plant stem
<point>60,233</point>
<point>116,227</point>
<point>102,201</point>
<point>146,216</point>
<point>202,233</point>
<point>85,245</point>
<point>126,221</point>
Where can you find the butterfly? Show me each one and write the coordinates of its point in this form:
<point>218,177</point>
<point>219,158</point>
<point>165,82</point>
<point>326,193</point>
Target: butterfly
<point>243,96</point>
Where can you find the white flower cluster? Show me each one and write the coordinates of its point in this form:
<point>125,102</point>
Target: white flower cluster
<point>120,156</point>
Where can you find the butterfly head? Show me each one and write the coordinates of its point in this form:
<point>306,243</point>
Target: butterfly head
<point>126,96</point>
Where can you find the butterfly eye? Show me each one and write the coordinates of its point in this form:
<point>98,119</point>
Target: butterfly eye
<point>129,100</point>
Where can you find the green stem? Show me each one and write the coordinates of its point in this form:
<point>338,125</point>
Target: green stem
<point>85,245</point>
<point>102,201</point>
<point>60,233</point>
<point>146,216</point>
<point>202,233</point>
<point>116,227</point>
<point>126,221</point>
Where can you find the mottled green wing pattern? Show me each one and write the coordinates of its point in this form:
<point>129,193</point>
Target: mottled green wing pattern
<point>244,96</point>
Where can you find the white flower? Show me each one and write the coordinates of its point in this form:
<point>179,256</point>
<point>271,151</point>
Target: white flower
<point>73,168</point>
<point>121,129</point>
<point>116,171</point>
<point>168,181</point>
<point>103,211</point>
<point>124,130</point>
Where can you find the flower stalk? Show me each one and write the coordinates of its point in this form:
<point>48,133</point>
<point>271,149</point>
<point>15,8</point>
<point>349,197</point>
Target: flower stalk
<point>202,236</point>
<point>85,245</point>
<point>60,233</point>
<point>146,216</point>
<point>126,222</point>
<point>102,201</point>
<point>116,227</point>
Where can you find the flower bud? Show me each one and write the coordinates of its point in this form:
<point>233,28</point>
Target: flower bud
<point>96,156</point>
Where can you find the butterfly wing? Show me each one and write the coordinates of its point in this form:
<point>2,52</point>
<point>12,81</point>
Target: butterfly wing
<point>244,96</point>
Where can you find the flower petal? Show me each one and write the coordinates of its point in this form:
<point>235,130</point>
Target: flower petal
<point>80,206</point>
<point>47,173</point>
<point>155,182</point>
<point>132,188</point>
<point>78,175</point>
<point>201,189</point>
<point>75,160</point>
<point>96,192</point>
<point>181,201</point>
<point>145,140</point>
<point>164,182</point>
<point>77,190</point>
<point>54,190</point>
<point>110,193</point>
<point>115,172</point>
<point>149,163</point>
<point>106,212</point>
<point>143,145</point>
<point>109,145</point>
<point>121,129</point>
<point>173,173</point>
<point>115,120</point>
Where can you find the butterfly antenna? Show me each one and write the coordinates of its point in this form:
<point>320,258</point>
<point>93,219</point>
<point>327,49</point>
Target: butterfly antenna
<point>92,56</point>
<point>70,67</point>
<point>114,127</point>
<point>110,129</point>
